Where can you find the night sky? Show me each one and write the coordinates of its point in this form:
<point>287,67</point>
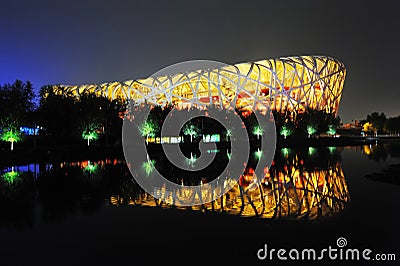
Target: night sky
<point>79,41</point>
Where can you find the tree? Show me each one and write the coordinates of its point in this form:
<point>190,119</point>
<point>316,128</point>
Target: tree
<point>331,130</point>
<point>11,135</point>
<point>286,131</point>
<point>65,116</point>
<point>311,130</point>
<point>393,125</point>
<point>190,129</point>
<point>90,132</point>
<point>148,129</point>
<point>377,120</point>
<point>314,121</point>
<point>101,110</point>
<point>258,131</point>
<point>368,127</point>
<point>58,114</point>
<point>16,108</point>
<point>17,99</point>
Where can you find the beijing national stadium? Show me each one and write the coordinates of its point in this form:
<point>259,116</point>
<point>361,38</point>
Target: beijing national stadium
<point>287,84</point>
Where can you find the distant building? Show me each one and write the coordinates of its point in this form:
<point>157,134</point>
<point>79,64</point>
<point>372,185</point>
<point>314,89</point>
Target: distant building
<point>354,128</point>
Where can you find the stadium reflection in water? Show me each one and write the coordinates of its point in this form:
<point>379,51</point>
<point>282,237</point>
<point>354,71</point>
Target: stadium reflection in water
<point>298,185</point>
<point>305,184</point>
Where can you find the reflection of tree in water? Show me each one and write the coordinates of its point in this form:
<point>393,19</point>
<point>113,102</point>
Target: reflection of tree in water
<point>66,189</point>
<point>60,191</point>
<point>380,152</point>
<point>393,150</point>
<point>376,152</point>
<point>83,186</point>
<point>17,199</point>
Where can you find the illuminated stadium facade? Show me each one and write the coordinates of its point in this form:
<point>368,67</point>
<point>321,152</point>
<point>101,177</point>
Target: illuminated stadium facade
<point>291,84</point>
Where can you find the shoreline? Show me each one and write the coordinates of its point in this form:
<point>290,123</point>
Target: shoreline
<point>22,155</point>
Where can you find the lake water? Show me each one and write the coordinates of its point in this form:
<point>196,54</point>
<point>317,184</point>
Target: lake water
<point>92,212</point>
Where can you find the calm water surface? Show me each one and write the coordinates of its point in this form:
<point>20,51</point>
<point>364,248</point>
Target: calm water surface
<point>93,213</point>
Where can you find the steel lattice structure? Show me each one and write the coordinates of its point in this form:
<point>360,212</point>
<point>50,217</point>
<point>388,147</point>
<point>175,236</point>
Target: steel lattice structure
<point>284,84</point>
<point>294,192</point>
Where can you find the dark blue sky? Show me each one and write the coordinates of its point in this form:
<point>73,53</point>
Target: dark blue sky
<point>76,42</point>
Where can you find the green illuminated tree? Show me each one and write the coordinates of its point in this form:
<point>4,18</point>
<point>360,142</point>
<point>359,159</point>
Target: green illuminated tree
<point>148,129</point>
<point>64,117</point>
<point>9,129</point>
<point>11,135</point>
<point>104,112</point>
<point>331,130</point>
<point>191,129</point>
<point>285,131</point>
<point>90,132</point>
<point>258,131</point>
<point>311,130</point>
<point>16,109</point>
